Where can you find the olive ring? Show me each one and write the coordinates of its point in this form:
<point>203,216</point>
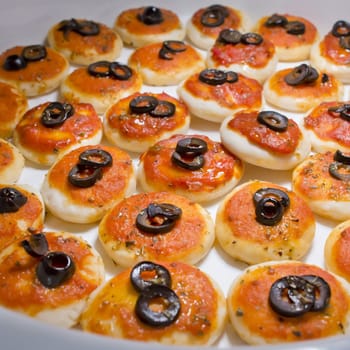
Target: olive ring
<point>162,318</point>
<point>273,120</point>
<point>161,275</point>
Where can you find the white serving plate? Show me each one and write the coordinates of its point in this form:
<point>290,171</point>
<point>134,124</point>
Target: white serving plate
<point>26,22</point>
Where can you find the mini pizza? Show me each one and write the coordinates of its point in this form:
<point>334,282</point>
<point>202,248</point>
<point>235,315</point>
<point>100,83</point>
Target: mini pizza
<point>11,162</point>
<point>35,69</point>
<point>247,53</point>
<point>293,36</point>
<point>84,42</point>
<point>140,120</point>
<point>83,184</point>
<point>322,179</point>
<point>101,83</point>
<point>49,276</point>
<point>157,226</point>
<point>50,129</point>
<point>167,303</point>
<point>336,251</point>
<point>288,301</point>
<point>300,88</point>
<point>213,94</point>
<point>328,126</point>
<point>13,104</point>
<point>146,25</point>
<point>205,24</point>
<point>21,211</point>
<point>265,138</point>
<point>332,53</point>
<point>193,166</point>
<point>261,221</point>
<point>166,63</point>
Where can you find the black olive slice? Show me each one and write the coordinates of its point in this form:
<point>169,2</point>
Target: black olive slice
<point>158,218</point>
<point>36,246</point>
<point>120,71</point>
<point>186,162</point>
<point>164,109</point>
<point>99,69</point>
<point>11,200</point>
<point>156,274</point>
<point>341,28</point>
<point>229,36</point>
<point>56,113</point>
<point>151,15</point>
<point>87,28</point>
<point>231,77</point>
<point>251,39</point>
<point>301,74</point>
<point>213,76</point>
<point>341,157</point>
<point>54,269</point>
<point>322,294</point>
<point>269,211</point>
<point>273,120</point>
<point>143,104</point>
<point>170,211</point>
<point>193,146</point>
<point>165,54</point>
<point>344,42</point>
<point>171,47</point>
<point>68,25</point>
<point>214,16</point>
<point>343,111</point>
<point>34,52</point>
<point>340,171</point>
<point>295,27</point>
<point>263,192</point>
<point>276,20</point>
<point>95,158</point>
<point>291,296</point>
<point>170,303</point>
<point>14,62</point>
<point>175,45</point>
<point>84,176</point>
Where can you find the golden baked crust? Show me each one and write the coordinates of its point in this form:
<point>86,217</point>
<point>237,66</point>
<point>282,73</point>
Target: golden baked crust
<point>216,102</point>
<point>11,162</point>
<point>256,143</point>
<point>204,36</point>
<point>188,241</point>
<point>219,174</point>
<point>163,72</point>
<point>87,205</point>
<point>256,322</point>
<point>289,47</point>
<point>101,92</point>
<point>13,104</point>
<point>328,55</point>
<point>137,132</point>
<point>246,239</point>
<point>85,49</point>
<point>336,250</point>
<point>326,195</point>
<point>254,61</point>
<point>136,33</point>
<point>23,292</point>
<point>38,77</point>
<point>43,145</point>
<point>28,218</point>
<point>327,129</point>
<point>302,97</point>
<point>201,320</point>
